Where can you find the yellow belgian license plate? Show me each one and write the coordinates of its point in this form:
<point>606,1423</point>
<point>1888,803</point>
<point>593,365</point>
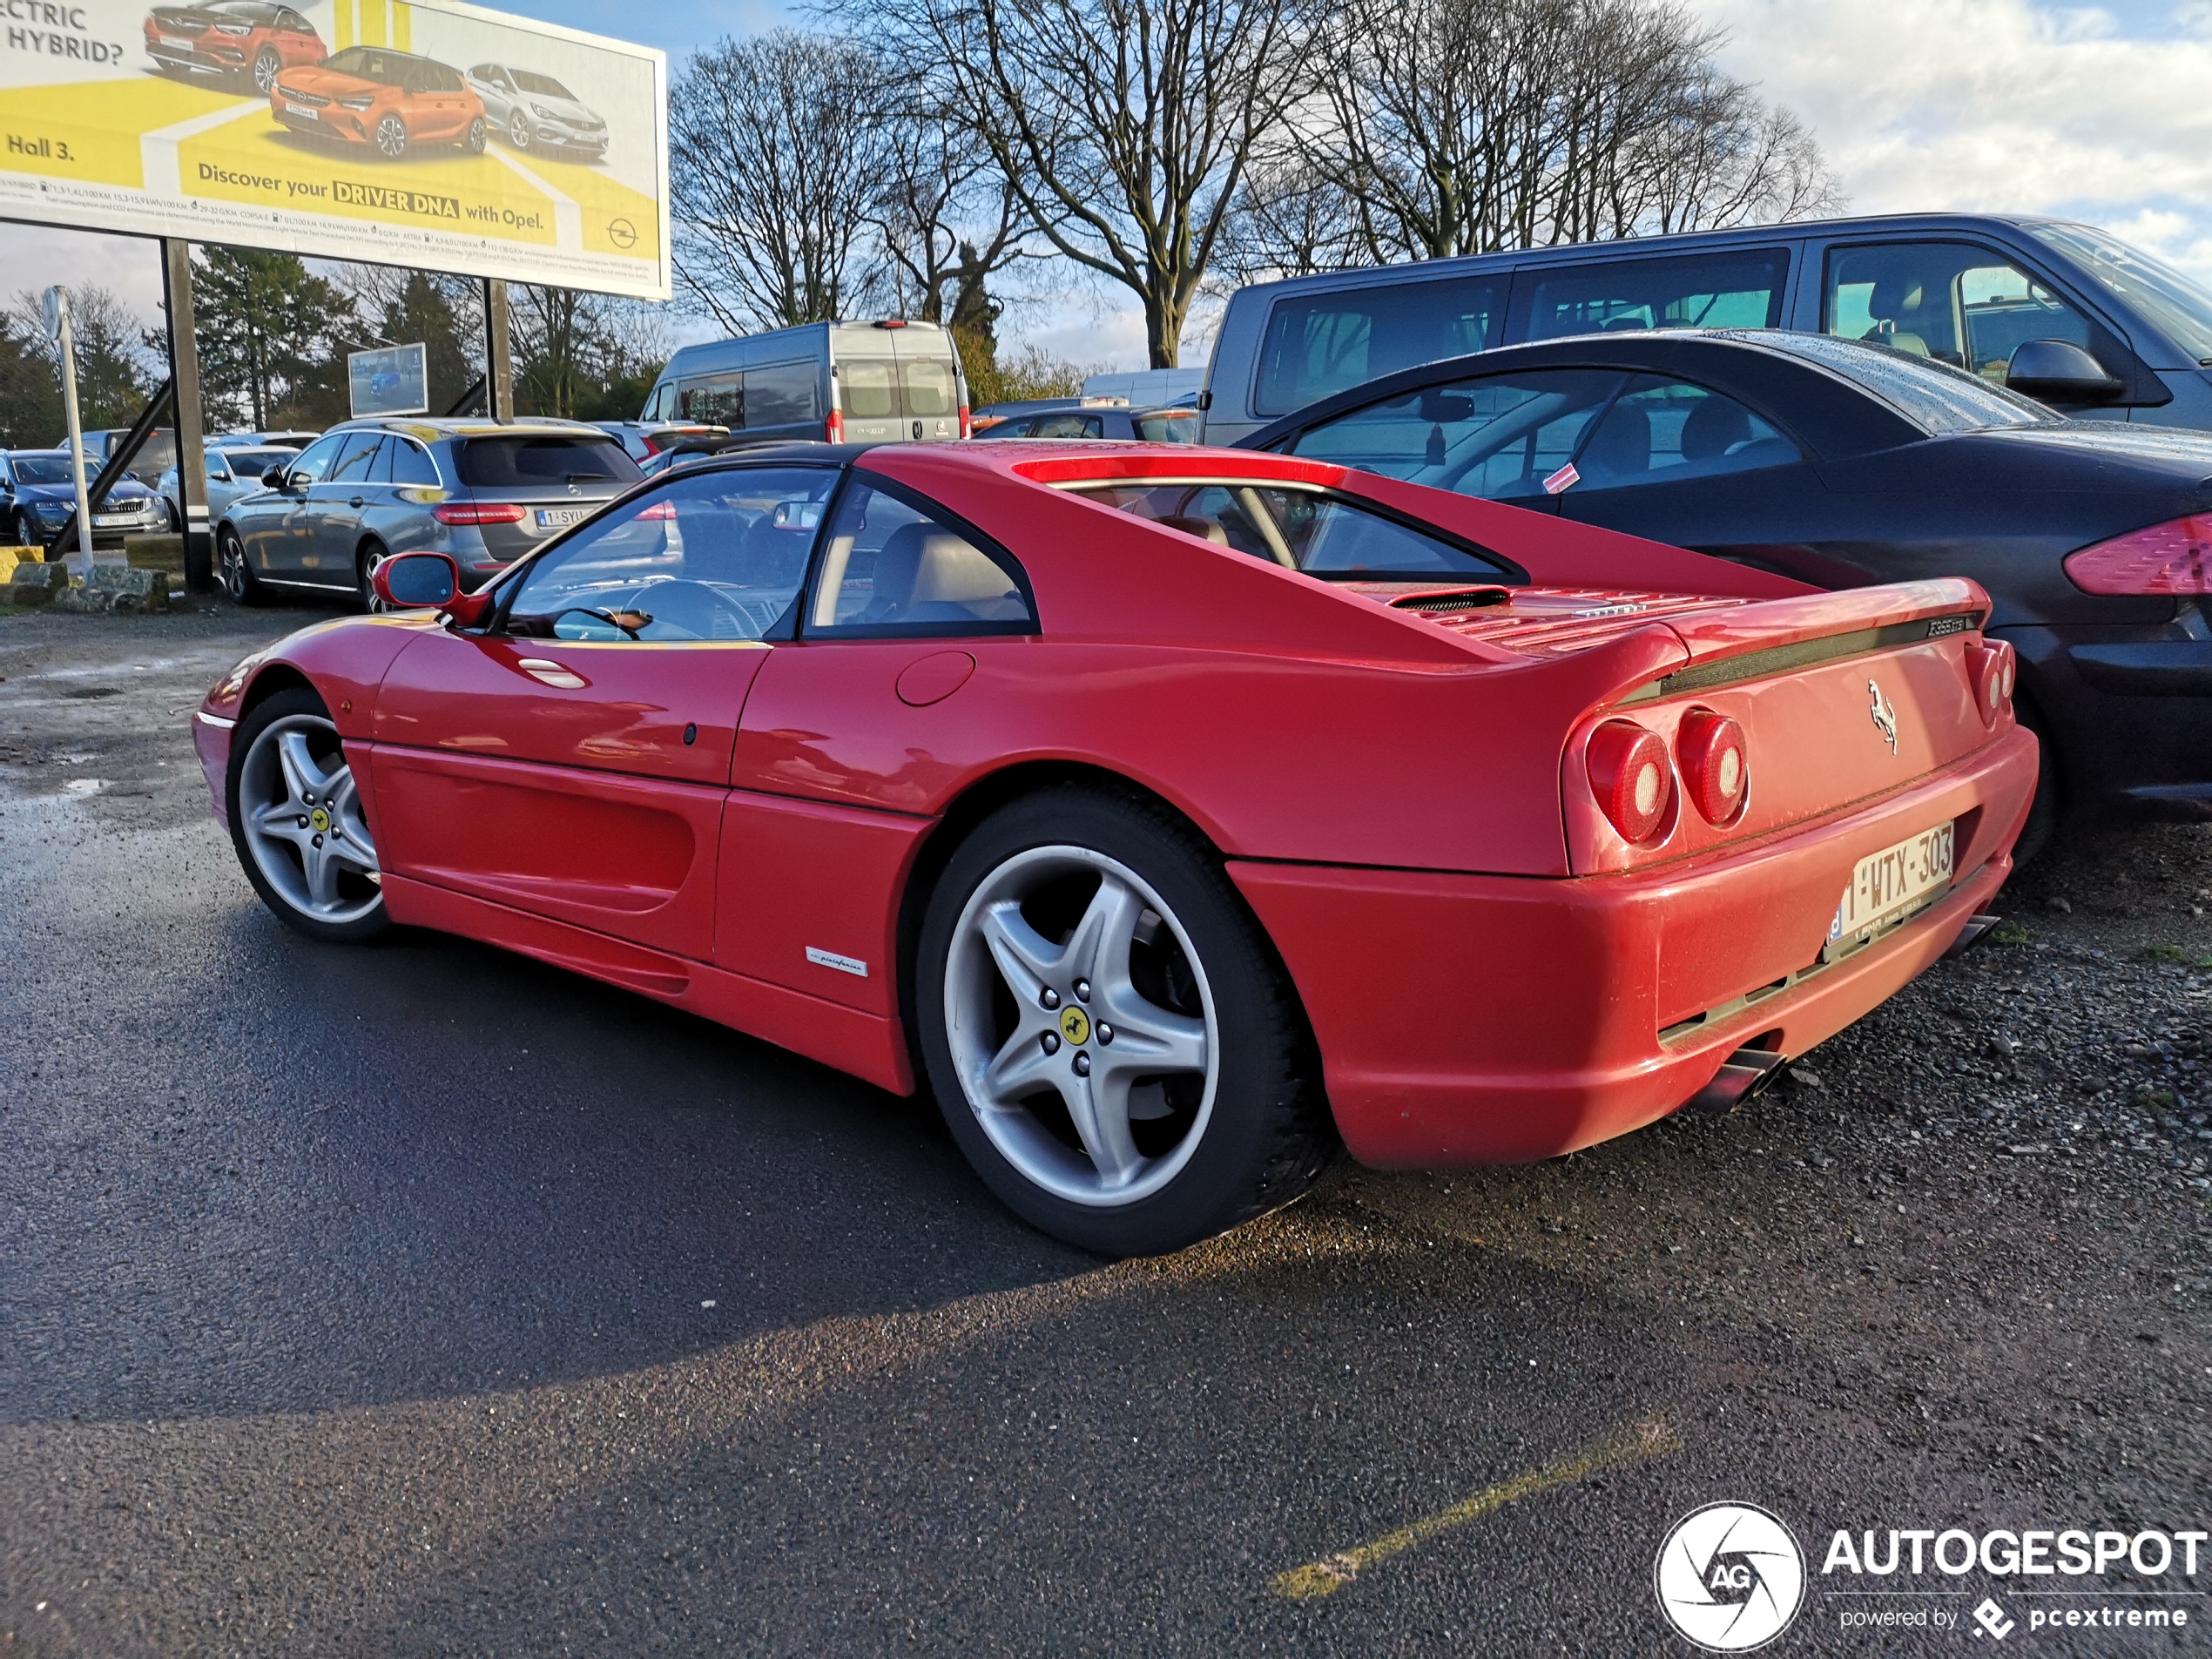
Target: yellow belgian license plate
<point>1888,883</point>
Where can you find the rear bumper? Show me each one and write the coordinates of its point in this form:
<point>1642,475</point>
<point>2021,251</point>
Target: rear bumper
<point>1470,1019</point>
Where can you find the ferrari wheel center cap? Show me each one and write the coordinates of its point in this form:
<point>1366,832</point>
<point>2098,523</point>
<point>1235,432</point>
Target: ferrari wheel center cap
<point>1075,1025</point>
<point>320,820</point>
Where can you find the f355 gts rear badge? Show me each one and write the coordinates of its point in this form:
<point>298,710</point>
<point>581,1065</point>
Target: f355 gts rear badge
<point>1885,713</point>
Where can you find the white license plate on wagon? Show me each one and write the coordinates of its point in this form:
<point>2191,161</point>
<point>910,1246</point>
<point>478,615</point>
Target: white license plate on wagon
<point>559,518</point>
<point>304,114</point>
<point>1888,883</point>
<point>109,521</point>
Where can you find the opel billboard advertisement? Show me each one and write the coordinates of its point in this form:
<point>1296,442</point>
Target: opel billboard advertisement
<point>416,132</point>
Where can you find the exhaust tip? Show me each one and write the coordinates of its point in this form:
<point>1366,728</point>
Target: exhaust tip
<point>1742,1076</point>
<point>1972,934</point>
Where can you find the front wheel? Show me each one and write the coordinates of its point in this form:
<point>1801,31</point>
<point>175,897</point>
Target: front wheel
<point>27,531</point>
<point>518,130</point>
<point>1111,1038</point>
<point>297,821</point>
<point>391,138</point>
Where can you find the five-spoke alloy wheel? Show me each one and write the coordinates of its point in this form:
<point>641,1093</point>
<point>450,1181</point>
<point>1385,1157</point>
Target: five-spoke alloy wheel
<point>1109,1035</point>
<point>297,820</point>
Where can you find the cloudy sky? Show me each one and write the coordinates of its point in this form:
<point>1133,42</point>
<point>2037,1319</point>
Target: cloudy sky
<point>2098,113</point>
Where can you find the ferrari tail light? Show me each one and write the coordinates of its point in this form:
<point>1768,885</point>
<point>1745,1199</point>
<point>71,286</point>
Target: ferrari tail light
<point>1993,666</point>
<point>2173,557</point>
<point>836,432</point>
<point>477,512</point>
<point>1715,764</point>
<point>1633,784</point>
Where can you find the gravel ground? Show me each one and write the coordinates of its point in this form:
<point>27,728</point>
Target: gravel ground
<point>422,1299</point>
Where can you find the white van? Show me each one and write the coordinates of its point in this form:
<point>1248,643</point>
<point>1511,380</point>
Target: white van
<point>890,381</point>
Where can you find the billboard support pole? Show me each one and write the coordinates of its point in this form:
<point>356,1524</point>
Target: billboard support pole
<point>499,353</point>
<point>58,330</point>
<point>183,376</point>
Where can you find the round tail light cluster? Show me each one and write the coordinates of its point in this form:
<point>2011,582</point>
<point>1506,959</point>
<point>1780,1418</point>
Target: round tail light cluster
<point>1630,772</point>
<point>1716,767</point>
<point>1995,667</point>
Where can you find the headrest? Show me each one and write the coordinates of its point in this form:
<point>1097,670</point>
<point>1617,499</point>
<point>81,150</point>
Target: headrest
<point>1713,427</point>
<point>1204,529</point>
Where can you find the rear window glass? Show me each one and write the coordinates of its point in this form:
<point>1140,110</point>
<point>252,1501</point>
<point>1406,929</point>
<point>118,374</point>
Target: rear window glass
<point>532,463</point>
<point>870,386</point>
<point>1174,426</point>
<point>1319,344</point>
<point>1934,397</point>
<point>930,389</point>
<point>1303,530</point>
<point>1699,291</point>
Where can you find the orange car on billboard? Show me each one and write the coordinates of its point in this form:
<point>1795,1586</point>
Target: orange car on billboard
<point>373,95</point>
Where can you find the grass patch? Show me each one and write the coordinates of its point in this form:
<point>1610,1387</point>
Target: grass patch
<point>2009,932</point>
<point>2172,956</point>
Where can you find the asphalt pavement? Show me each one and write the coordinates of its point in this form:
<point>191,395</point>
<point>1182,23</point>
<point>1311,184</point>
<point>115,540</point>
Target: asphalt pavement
<point>418,1298</point>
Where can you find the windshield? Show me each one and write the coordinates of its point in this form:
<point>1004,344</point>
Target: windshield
<point>544,85</point>
<point>1935,397</point>
<point>2179,307</point>
<point>47,470</point>
<point>1303,530</point>
<point>251,463</point>
<point>536,462</point>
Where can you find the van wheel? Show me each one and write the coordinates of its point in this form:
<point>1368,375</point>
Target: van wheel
<point>1110,1034</point>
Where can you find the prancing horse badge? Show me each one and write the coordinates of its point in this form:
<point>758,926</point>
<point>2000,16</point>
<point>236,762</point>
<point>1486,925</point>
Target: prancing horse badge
<point>1884,715</point>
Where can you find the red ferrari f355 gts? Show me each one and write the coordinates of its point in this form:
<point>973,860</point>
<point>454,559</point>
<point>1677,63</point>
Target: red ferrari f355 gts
<point>1177,814</point>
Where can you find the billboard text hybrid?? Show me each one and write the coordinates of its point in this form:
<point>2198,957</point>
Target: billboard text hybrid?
<point>420,133</point>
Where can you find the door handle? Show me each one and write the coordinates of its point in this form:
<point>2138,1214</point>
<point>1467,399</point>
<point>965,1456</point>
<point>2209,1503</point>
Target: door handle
<point>355,502</point>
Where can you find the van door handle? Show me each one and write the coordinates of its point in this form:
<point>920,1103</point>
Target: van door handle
<point>355,502</point>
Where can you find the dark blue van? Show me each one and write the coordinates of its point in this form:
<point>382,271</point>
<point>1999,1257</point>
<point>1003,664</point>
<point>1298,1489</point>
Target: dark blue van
<point>1962,288</point>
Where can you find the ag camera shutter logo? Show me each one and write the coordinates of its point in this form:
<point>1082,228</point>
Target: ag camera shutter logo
<point>1729,1577</point>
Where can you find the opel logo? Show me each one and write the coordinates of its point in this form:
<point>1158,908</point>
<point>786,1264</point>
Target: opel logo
<point>1884,714</point>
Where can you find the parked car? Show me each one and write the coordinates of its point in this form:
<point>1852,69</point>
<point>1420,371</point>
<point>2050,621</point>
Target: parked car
<point>271,440</point>
<point>1166,388</point>
<point>232,471</point>
<point>480,492</point>
<point>1960,288</point>
<point>158,453</point>
<point>890,381</point>
<point>1845,464</point>
<point>39,493</point>
<point>1089,418</point>
<point>1174,815</point>
<point>244,42</point>
<point>645,439</point>
<point>536,111</point>
<point>372,95</point>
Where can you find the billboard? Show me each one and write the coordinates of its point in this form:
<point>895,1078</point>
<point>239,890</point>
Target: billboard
<point>394,380</point>
<point>416,132</point>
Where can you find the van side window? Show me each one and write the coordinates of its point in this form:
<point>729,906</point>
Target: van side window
<point>1696,291</point>
<point>1953,301</point>
<point>1319,344</point>
<point>663,404</point>
<point>889,568</point>
<point>781,395</point>
<point>715,400</point>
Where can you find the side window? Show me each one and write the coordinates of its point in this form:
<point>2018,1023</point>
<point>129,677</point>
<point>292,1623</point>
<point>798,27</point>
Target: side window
<point>1953,301</point>
<point>1661,430</point>
<point>1499,437</point>
<point>714,400</point>
<point>663,404</point>
<point>1698,291</point>
<point>869,386</point>
<point>357,459</point>
<point>889,568</point>
<point>411,464</point>
<point>716,554</point>
<point>315,460</point>
<point>1303,529</point>
<point>1318,345</point>
<point>217,467</point>
<point>782,394</point>
<point>1068,425</point>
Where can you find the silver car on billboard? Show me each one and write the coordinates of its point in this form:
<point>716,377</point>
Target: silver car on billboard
<point>536,111</point>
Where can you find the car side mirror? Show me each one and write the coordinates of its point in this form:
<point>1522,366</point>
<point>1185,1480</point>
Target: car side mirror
<point>2057,371</point>
<point>424,582</point>
<point>274,478</point>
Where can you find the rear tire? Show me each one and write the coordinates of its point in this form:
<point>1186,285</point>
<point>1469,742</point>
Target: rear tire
<point>473,143</point>
<point>296,822</point>
<point>1075,936</point>
<point>364,564</point>
<point>2048,807</point>
<point>234,573</point>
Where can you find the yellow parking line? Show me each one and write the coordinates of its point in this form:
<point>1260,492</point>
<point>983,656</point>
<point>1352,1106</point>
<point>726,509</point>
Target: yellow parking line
<point>1648,1438</point>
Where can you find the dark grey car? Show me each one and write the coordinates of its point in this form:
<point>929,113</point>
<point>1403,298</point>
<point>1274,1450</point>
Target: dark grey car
<point>485,494</point>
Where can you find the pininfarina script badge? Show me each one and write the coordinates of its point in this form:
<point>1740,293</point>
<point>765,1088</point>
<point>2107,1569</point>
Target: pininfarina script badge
<point>1884,714</point>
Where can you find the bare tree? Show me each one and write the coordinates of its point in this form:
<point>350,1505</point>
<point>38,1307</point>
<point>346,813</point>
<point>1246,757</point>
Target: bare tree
<point>1446,127</point>
<point>582,356</point>
<point>947,222</point>
<point>777,158</point>
<point>1123,127</point>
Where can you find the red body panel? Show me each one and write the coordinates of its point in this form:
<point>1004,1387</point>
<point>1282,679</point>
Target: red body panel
<point>1401,794</point>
